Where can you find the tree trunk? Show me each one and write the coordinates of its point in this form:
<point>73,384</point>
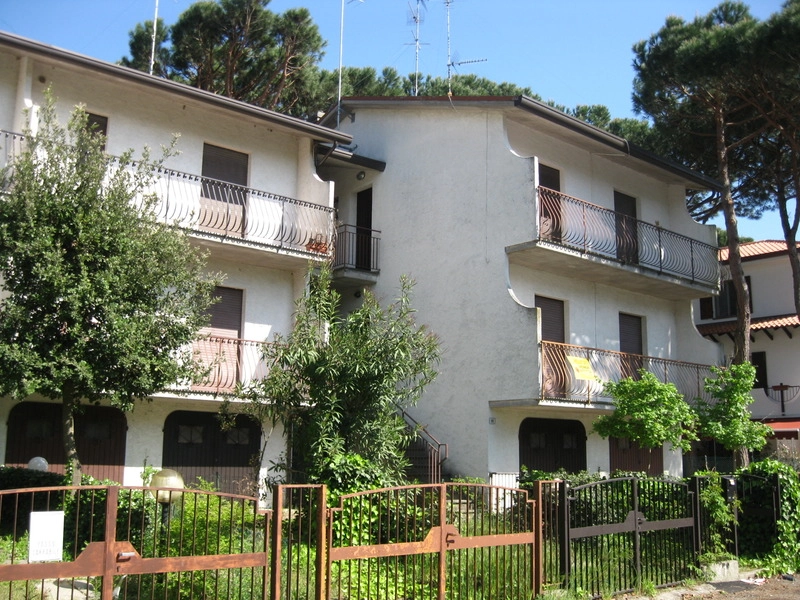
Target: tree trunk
<point>741,458</point>
<point>790,231</point>
<point>741,338</point>
<point>72,462</point>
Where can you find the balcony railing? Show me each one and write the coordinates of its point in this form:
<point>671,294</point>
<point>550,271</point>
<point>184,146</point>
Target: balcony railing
<point>577,373</point>
<point>357,248</point>
<point>593,230</point>
<point>230,362</point>
<point>226,211</point>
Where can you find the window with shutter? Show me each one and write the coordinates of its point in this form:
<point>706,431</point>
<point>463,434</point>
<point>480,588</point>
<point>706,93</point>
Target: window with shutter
<point>224,194</point>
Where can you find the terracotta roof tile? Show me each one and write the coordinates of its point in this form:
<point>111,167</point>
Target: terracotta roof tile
<point>757,324</point>
<point>756,249</point>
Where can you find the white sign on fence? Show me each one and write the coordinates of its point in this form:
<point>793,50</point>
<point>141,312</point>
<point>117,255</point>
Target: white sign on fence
<point>46,536</point>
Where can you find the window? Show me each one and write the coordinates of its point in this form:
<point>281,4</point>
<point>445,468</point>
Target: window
<point>97,124</point>
<point>759,361</point>
<point>723,306</point>
<point>222,165</point>
<point>190,434</point>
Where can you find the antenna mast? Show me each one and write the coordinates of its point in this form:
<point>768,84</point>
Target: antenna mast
<point>416,17</point>
<point>451,64</point>
<point>153,47</point>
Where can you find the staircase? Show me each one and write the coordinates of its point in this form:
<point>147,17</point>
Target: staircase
<point>425,453</point>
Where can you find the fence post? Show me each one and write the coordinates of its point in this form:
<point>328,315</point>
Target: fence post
<point>110,537</point>
<point>277,541</point>
<point>322,563</point>
<point>698,518</point>
<point>538,529</point>
<point>563,499</point>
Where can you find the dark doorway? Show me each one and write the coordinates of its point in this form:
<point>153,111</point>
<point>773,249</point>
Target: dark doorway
<point>631,345</point>
<point>221,350</point>
<point>626,228</point>
<point>550,221</point>
<point>196,446</point>
<point>552,444</point>
<point>34,429</point>
<point>554,361</point>
<point>364,230</point>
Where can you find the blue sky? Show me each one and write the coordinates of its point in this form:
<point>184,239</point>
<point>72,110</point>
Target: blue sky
<point>569,51</point>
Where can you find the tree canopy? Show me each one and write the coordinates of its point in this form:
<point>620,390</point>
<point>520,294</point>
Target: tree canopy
<point>99,296</point>
<point>648,412</point>
<point>339,385</point>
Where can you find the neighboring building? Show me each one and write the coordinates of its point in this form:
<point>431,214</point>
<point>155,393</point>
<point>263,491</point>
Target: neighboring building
<point>774,334</point>
<point>244,185</point>
<point>547,254</point>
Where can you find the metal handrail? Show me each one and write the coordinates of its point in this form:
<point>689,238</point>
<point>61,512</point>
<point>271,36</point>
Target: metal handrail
<point>582,378</point>
<point>437,452</point>
<point>594,230</point>
<point>357,248</point>
<point>218,209</point>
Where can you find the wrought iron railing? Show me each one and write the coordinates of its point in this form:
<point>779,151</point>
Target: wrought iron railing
<point>577,373</point>
<point>230,362</point>
<point>222,210</point>
<point>590,229</point>
<point>425,452</point>
<point>357,248</point>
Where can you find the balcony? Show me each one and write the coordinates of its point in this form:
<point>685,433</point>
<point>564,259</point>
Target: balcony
<point>576,373</point>
<point>355,260</point>
<point>217,211</point>
<point>230,362</point>
<point>591,243</point>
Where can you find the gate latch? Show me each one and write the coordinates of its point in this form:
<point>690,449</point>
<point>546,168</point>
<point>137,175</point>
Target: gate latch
<point>123,556</point>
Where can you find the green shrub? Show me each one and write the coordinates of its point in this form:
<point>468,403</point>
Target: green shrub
<point>784,556</point>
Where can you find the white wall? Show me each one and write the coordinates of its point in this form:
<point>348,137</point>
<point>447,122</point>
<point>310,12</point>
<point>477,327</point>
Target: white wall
<point>452,198</point>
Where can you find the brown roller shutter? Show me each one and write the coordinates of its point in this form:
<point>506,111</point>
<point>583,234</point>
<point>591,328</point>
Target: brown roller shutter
<point>552,318</point>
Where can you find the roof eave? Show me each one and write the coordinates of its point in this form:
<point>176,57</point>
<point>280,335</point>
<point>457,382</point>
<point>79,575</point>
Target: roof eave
<point>317,132</point>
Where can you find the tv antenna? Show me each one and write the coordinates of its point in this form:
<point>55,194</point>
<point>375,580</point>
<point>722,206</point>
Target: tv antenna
<point>453,63</point>
<point>416,19</point>
<point>341,53</point>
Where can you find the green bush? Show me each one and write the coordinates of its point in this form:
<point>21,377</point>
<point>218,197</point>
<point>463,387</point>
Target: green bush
<point>784,556</point>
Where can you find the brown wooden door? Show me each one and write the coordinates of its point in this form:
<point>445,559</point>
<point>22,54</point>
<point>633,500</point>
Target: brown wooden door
<point>34,429</point>
<point>222,205</point>
<point>364,230</point>
<point>550,205</point>
<point>627,232</point>
<point>631,345</point>
<point>196,445</point>
<point>555,373</point>
<point>220,348</point>
<point>552,444</point>
<point>630,457</point>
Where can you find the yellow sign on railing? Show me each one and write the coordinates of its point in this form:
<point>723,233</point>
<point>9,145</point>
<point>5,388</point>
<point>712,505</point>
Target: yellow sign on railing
<point>582,368</point>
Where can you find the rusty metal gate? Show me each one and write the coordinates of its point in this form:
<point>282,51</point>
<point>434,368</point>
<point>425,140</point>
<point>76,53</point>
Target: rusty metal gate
<point>427,541</point>
<point>621,534</point>
<point>450,540</point>
<point>110,542</point>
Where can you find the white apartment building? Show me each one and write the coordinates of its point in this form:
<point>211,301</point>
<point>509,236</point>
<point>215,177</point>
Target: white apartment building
<point>774,333</point>
<point>244,185</point>
<point>548,256</point>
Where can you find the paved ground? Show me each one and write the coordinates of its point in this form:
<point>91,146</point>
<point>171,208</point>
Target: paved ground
<point>778,588</point>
